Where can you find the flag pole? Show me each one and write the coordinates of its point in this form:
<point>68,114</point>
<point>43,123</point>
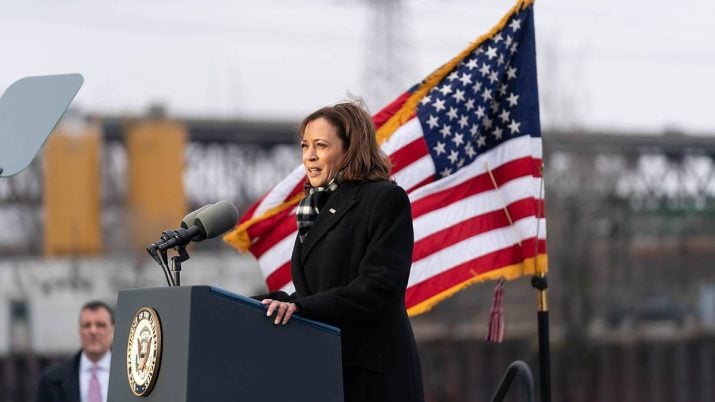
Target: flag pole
<point>539,282</point>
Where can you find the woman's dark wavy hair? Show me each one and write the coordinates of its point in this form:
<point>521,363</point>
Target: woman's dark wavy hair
<point>364,159</point>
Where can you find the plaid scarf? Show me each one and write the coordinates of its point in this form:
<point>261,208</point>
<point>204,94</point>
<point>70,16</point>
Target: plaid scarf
<point>310,206</point>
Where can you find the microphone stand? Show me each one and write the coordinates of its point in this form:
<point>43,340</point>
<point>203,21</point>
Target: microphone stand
<point>176,264</point>
<point>173,273</point>
<point>162,261</point>
<point>161,258</point>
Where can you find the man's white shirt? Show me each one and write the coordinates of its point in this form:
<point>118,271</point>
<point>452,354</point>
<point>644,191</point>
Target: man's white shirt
<point>85,374</point>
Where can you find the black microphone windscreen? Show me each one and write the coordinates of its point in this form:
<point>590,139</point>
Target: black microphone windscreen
<point>189,219</point>
<point>217,219</point>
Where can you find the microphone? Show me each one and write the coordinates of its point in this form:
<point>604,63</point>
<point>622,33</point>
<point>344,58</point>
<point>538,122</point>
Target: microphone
<point>186,222</point>
<point>206,222</point>
<point>189,219</point>
<point>217,220</point>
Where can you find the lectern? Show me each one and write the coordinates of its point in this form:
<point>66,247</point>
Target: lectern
<point>204,344</point>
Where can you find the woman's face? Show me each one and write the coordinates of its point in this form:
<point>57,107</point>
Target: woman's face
<point>323,152</point>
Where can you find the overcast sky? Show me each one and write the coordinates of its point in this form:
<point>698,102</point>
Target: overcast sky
<point>620,64</point>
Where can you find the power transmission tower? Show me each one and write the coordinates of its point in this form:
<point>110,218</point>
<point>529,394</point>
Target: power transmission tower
<point>385,68</point>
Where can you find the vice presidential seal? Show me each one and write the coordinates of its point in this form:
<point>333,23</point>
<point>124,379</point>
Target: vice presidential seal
<point>144,351</point>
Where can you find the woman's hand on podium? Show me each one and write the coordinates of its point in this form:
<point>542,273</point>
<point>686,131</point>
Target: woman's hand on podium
<point>283,310</point>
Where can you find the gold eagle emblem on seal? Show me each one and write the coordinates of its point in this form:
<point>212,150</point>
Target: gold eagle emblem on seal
<point>144,351</point>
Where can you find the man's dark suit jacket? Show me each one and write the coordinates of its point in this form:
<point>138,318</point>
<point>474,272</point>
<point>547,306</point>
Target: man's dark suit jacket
<point>352,272</point>
<point>60,383</point>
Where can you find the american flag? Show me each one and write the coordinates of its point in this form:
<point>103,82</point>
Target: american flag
<point>466,146</point>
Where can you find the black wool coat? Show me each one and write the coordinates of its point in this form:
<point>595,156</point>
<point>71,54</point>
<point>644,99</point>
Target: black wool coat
<point>352,272</point>
<point>60,383</point>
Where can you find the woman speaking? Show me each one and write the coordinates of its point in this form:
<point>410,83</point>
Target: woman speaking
<point>352,256</point>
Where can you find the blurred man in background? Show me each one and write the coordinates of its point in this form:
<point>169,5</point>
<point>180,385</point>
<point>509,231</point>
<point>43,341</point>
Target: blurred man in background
<point>85,377</point>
